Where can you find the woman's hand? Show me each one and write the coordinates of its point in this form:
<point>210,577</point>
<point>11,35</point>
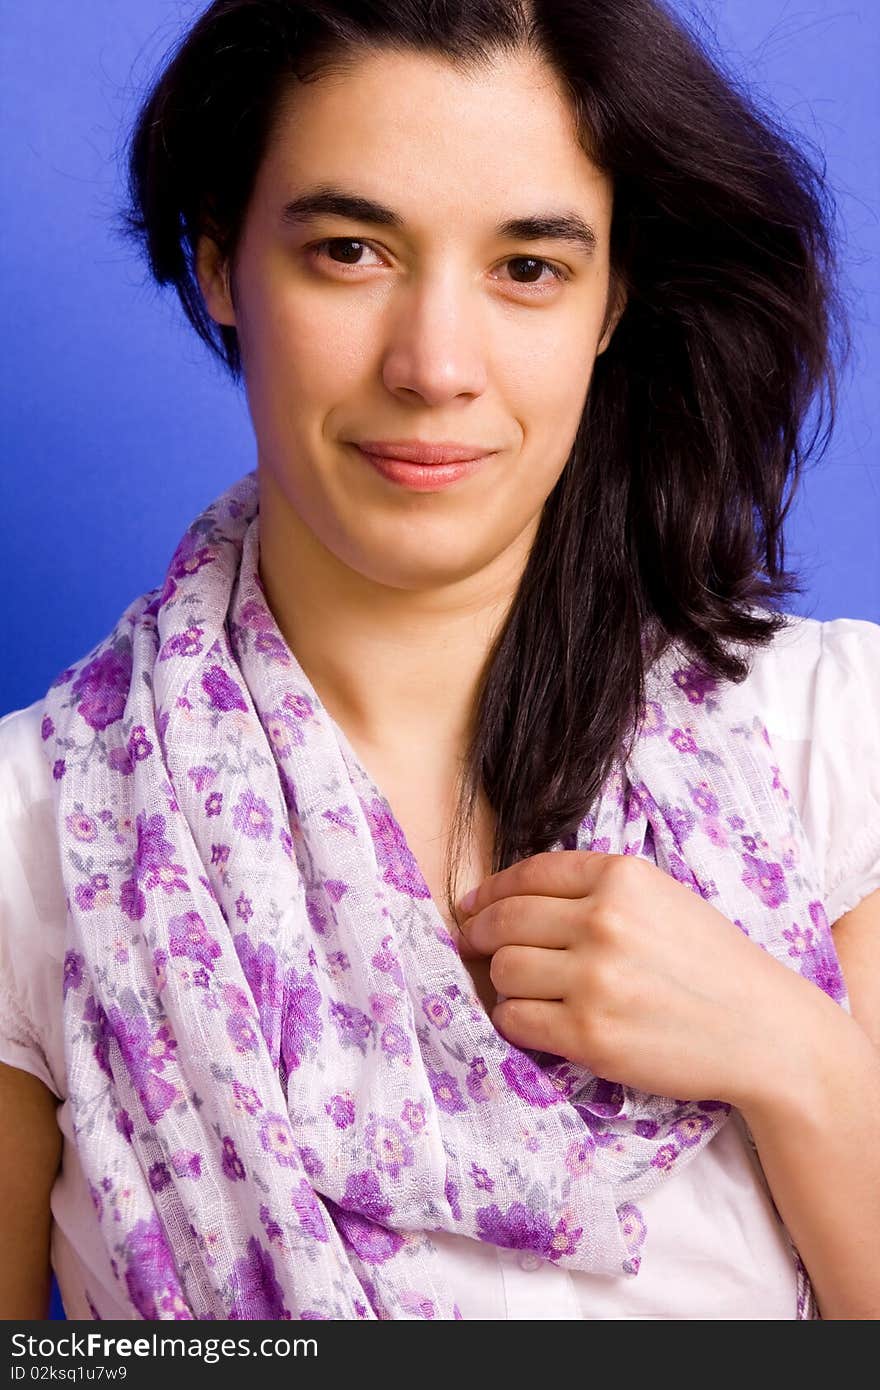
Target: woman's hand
<point>610,962</point>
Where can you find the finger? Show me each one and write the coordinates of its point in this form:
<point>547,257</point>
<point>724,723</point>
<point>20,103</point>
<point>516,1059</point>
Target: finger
<point>531,972</point>
<point>539,1024</point>
<point>560,873</point>
<point>534,921</point>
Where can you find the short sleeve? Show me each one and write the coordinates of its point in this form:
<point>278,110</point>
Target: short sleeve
<point>817,685</point>
<point>32,905</point>
<point>844,773</point>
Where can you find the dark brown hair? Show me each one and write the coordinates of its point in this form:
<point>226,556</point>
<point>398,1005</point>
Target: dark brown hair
<point>667,520</point>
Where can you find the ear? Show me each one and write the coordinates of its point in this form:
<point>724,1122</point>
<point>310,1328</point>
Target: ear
<point>618,300</point>
<point>213,272</point>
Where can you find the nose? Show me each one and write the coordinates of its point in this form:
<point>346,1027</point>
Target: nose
<point>435,347</point>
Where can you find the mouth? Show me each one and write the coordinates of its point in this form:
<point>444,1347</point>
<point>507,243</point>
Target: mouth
<point>423,477</point>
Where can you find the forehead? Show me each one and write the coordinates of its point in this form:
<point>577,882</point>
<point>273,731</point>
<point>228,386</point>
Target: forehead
<point>429,138</point>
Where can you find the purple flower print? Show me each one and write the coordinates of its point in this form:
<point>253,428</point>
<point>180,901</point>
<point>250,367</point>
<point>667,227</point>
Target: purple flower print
<point>241,1030</point>
<point>528,1081</point>
<point>766,880</point>
<point>246,1098</point>
<point>232,1165</point>
<point>273,647</point>
<point>256,1291</point>
<point>186,643</point>
<point>695,682</point>
<point>187,1164</point>
<point>73,971</point>
<point>189,937</point>
<point>252,816</point>
<point>395,1041</point>
<point>821,965</point>
<point>243,909</point>
<point>479,1086</point>
<point>260,966</point>
<point>647,1129</point>
<point>481,1179</point>
<point>413,1114</point>
<point>101,688</point>
<point>125,1124</point>
<point>517,1228</point>
<point>119,761</point>
<point>372,1243</point>
<point>132,901</point>
<point>47,728</point>
<point>311,1162</point>
<point>364,1196</point>
<point>256,615</point>
<point>632,1226</point>
<point>277,1140</point>
<point>222,690</point>
<point>388,1142</point>
<point>665,1157</point>
<point>153,851</point>
<point>353,1027</point>
<point>201,777</point>
<point>150,1273</point>
<point>680,821</point>
<point>59,767</point>
<point>564,1240</point>
<point>386,961</point>
<point>301,1025</point>
<point>396,861</point>
<point>451,1191</point>
<point>299,705</point>
<point>579,1157</point>
<point>683,740</point>
<point>690,1130</point>
<point>437,1010</point>
<point>139,746</point>
<point>446,1091</point>
<point>417,1303</point>
<point>704,799</point>
<point>214,804</point>
<point>84,896</point>
<point>82,827</point>
<point>270,1226</point>
<point>341,1111</point>
<point>189,560</point>
<point>308,1209</point>
<point>159,1176</point>
<point>144,1053</point>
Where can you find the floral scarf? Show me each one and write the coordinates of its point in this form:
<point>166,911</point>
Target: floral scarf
<point>280,1075</point>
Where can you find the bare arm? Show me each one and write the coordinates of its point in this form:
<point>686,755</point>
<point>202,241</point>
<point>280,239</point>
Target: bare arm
<point>30,1152</point>
<point>818,1132</point>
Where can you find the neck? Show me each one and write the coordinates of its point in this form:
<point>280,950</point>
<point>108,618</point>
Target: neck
<point>398,669</point>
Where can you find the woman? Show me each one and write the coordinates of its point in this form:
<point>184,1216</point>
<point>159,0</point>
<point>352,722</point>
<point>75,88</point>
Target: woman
<point>493,612</point>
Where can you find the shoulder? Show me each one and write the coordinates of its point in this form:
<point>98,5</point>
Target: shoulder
<point>817,687</point>
<point>815,676</point>
<point>32,898</point>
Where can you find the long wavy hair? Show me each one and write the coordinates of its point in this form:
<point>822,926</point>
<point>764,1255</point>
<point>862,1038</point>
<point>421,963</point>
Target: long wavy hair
<point>666,523</point>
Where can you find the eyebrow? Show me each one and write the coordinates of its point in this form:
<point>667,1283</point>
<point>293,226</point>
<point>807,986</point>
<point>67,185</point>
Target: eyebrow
<point>564,226</point>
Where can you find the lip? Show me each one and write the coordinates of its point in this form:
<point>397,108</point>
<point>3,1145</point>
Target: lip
<point>422,477</point>
<point>422,451</point>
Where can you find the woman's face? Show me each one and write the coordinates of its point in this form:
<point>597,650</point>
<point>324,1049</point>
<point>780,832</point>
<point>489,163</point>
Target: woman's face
<point>440,327</point>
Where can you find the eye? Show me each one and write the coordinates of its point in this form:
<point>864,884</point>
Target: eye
<point>351,248</point>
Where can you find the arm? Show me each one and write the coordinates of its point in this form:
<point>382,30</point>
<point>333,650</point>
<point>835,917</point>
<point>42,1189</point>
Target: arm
<point>818,1130</point>
<point>30,1152</point>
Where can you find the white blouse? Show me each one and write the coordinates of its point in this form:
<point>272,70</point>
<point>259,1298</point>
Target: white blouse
<point>715,1247</point>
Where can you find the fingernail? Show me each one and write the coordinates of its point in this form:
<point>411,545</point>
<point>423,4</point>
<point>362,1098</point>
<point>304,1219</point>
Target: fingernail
<point>467,902</point>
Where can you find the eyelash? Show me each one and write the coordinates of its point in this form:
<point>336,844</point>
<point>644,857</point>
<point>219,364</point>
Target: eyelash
<point>556,271</point>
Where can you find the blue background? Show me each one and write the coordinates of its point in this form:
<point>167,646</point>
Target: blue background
<point>117,426</point>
